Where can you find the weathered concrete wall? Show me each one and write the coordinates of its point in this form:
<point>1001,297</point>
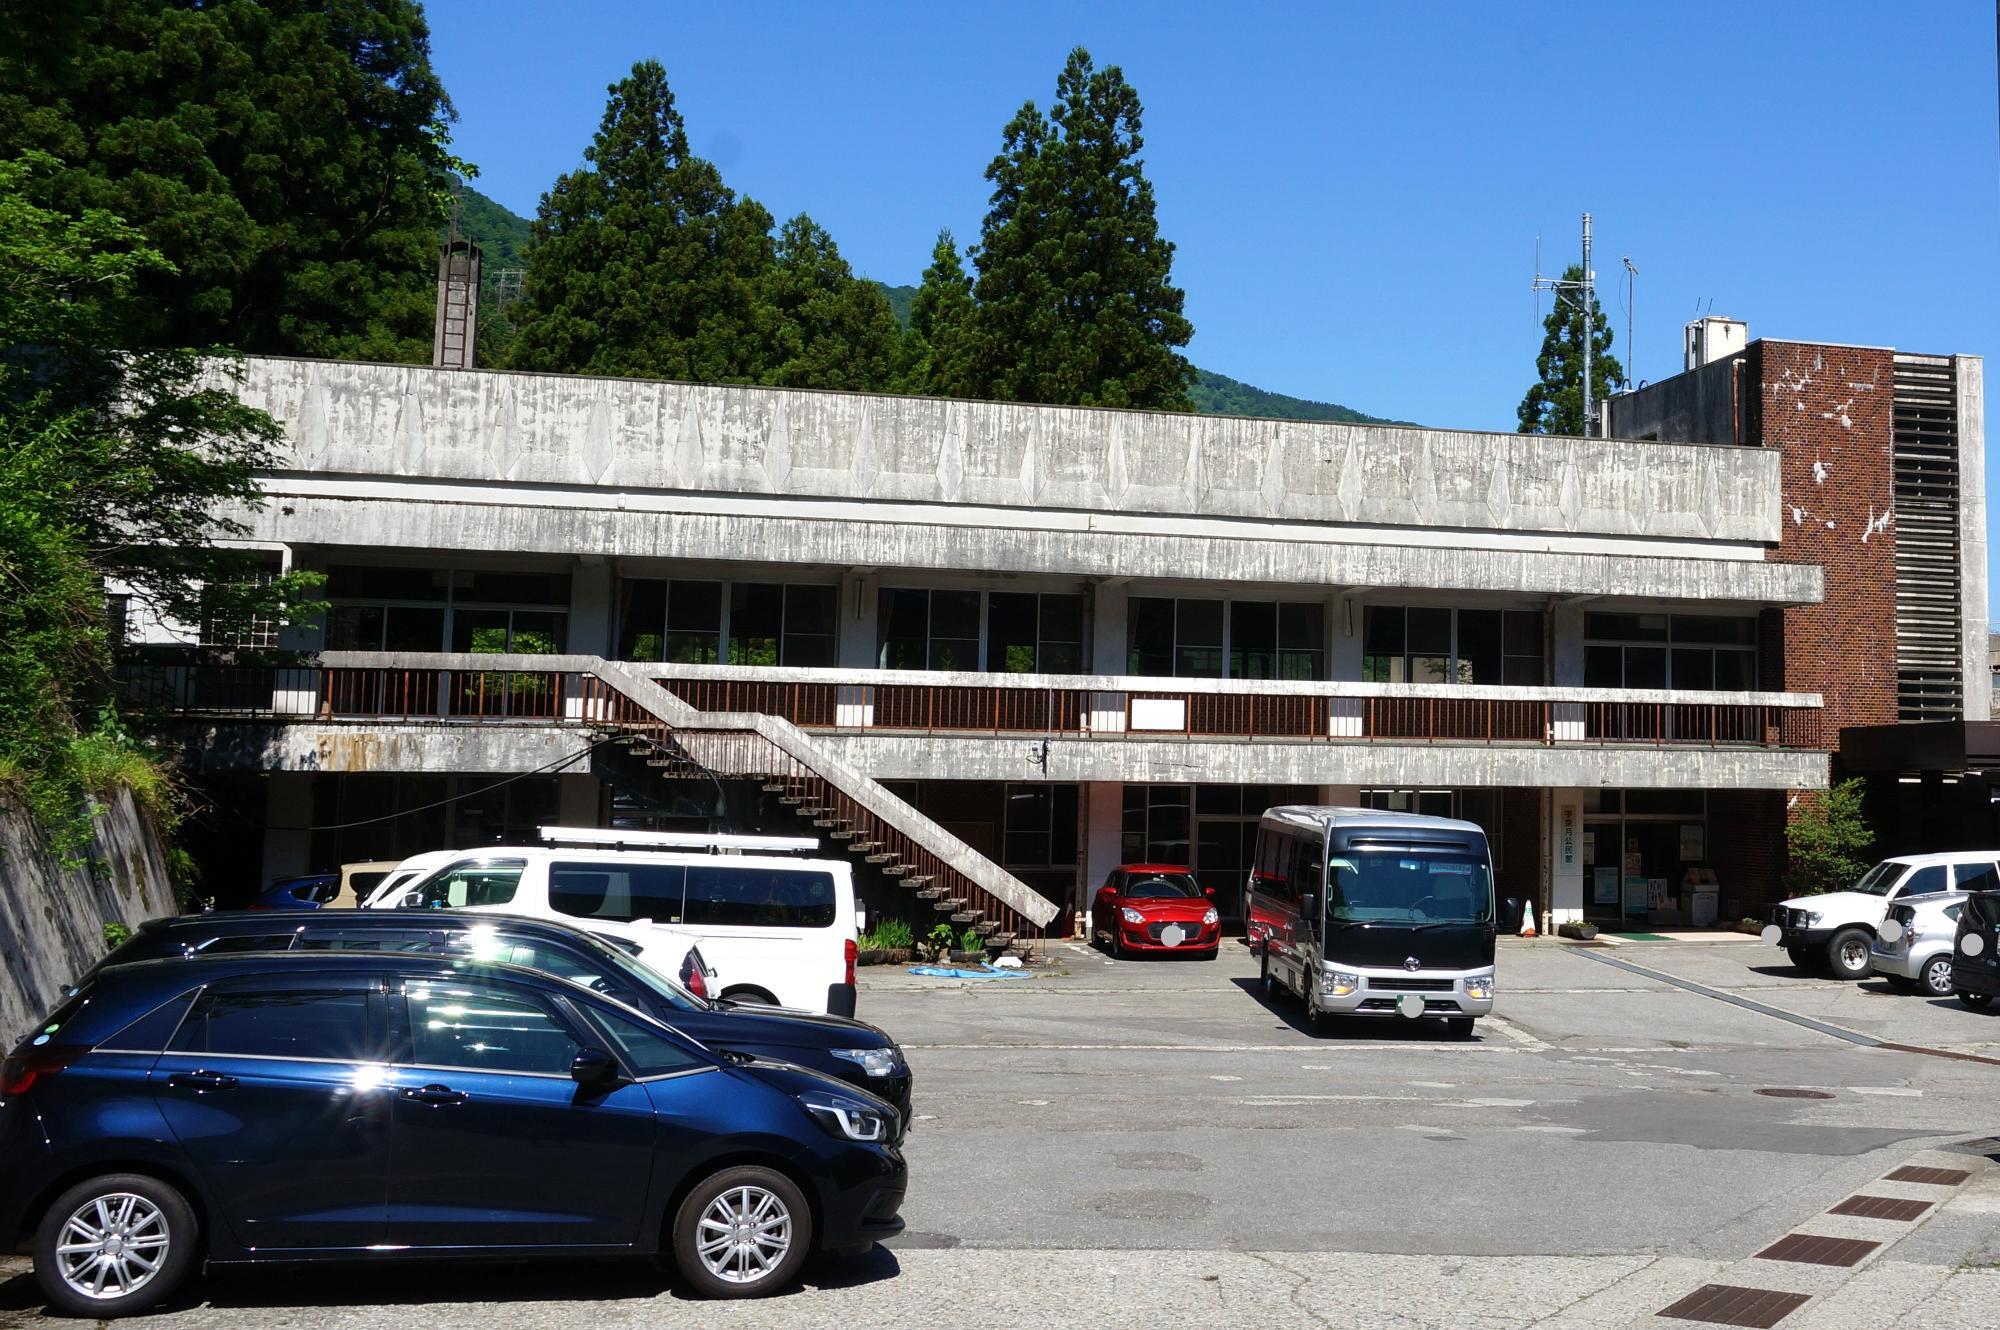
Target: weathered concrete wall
<point>1429,766</point>
<point>443,520</point>
<point>1701,406</point>
<point>390,746</point>
<point>622,434</point>
<point>1971,372</point>
<point>52,918</point>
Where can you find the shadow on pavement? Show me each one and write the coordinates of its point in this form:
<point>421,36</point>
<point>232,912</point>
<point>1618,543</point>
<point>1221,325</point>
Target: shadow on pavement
<point>1782,972</point>
<point>1354,1029</point>
<point>415,1282</point>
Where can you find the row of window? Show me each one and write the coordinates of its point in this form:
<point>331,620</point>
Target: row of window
<point>468,1025</point>
<point>684,621</point>
<point>708,895</point>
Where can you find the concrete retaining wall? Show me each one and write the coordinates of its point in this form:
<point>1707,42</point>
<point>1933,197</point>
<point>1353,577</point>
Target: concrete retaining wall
<point>52,918</point>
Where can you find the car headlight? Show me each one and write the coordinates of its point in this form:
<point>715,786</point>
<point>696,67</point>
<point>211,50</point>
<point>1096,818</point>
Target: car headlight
<point>1479,986</point>
<point>1131,916</point>
<point>1210,919</point>
<point>850,1119</point>
<point>874,1061</point>
<point>1812,919</point>
<point>1338,983</point>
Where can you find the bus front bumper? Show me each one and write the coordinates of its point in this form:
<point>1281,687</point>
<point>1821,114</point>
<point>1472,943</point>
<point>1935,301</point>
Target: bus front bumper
<point>1381,993</point>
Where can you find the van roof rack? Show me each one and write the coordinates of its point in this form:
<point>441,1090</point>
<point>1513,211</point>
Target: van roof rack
<point>713,842</point>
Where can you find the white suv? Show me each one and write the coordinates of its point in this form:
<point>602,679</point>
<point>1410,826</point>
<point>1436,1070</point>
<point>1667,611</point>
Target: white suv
<point>1913,948</point>
<point>775,927</point>
<point>1834,931</point>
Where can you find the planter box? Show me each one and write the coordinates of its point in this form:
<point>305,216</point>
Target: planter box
<point>969,957</point>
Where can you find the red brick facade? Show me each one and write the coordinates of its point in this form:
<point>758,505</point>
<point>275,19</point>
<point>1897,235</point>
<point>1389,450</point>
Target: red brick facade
<point>1829,410</point>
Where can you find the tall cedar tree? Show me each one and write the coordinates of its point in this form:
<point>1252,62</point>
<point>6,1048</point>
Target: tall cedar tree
<point>113,465</point>
<point>832,329</point>
<point>936,358</point>
<point>285,157</point>
<point>1075,305</point>
<point>1554,405</point>
<point>643,262</point>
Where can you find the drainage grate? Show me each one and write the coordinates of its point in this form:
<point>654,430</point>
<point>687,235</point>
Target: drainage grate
<point>1786,1092</point>
<point>1880,1207</point>
<point>1930,1177</point>
<point>1726,1304</point>
<point>1809,1249</point>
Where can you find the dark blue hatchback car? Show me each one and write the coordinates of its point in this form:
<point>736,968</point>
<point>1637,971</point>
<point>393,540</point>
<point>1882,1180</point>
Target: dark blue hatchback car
<point>260,1107</point>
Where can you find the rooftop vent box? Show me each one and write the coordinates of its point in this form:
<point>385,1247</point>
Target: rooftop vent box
<point>1708,340</point>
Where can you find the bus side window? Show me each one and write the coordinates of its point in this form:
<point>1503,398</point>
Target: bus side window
<point>1276,873</point>
<point>1306,870</point>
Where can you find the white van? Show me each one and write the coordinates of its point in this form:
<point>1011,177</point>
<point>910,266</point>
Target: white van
<point>1835,930</point>
<point>775,927</point>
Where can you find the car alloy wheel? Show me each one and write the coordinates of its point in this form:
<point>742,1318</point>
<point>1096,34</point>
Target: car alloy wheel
<point>742,1233</point>
<point>1937,976</point>
<point>745,1233</point>
<point>114,1245</point>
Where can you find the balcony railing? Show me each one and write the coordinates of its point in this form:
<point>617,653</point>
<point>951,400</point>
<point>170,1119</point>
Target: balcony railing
<point>1086,707</point>
<point>1126,707</point>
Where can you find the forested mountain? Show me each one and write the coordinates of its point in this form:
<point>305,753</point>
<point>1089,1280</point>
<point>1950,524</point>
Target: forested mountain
<point>502,236</point>
<point>1216,394</point>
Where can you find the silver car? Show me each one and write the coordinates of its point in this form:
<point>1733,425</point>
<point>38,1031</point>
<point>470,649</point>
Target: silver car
<point>1913,949</point>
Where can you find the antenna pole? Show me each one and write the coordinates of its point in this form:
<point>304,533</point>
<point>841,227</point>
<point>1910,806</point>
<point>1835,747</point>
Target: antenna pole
<point>1589,302</point>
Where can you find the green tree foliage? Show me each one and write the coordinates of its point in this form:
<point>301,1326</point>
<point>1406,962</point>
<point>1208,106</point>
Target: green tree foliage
<point>643,262</point>
<point>831,329</point>
<point>1828,840</point>
<point>936,356</point>
<point>113,465</point>
<point>1075,304</point>
<point>1554,404</point>
<point>285,158</point>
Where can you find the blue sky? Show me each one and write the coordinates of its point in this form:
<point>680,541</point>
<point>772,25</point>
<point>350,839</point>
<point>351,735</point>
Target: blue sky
<point>1354,189</point>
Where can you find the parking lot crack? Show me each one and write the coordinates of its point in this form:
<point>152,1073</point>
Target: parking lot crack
<point>1300,1282</point>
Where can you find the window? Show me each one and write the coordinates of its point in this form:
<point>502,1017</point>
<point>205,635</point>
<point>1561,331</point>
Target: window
<point>1428,644</point>
<point>617,891</point>
<point>1690,651</point>
<point>476,882</point>
<point>500,948</point>
<point>1031,633</point>
<point>368,939</point>
<point>1277,640</point>
<point>928,630</point>
<point>1430,803</point>
<point>1412,885</point>
<point>1040,826</point>
<point>1976,877</point>
<point>1213,639</point>
<point>649,1052</point>
<point>150,1033</point>
<point>428,609</point>
<point>1157,825</point>
<point>759,897</point>
<point>481,1027</point>
<point>1924,881</point>
<point>326,1025</point>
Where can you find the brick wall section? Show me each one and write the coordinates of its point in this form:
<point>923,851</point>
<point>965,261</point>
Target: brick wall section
<point>1828,410</point>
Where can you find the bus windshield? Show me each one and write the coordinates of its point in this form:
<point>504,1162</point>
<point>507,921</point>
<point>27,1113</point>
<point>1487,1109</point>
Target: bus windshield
<point>1404,887</point>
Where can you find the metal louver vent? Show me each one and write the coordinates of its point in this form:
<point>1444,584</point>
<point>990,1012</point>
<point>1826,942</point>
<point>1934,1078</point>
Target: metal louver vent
<point>1930,675</point>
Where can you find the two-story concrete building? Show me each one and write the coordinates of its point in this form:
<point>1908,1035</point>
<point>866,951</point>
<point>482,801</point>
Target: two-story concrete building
<point>996,649</point>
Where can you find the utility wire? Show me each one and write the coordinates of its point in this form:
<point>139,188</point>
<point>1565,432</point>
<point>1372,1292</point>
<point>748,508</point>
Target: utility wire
<point>546,767</point>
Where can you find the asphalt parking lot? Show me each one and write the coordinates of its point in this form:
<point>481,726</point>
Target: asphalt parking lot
<point>1152,1143</point>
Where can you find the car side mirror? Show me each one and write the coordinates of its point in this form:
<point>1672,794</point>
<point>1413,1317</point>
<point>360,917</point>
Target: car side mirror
<point>593,1066</point>
<point>1208,892</point>
<point>1109,893</point>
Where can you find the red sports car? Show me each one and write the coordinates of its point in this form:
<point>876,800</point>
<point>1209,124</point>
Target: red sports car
<point>1155,907</point>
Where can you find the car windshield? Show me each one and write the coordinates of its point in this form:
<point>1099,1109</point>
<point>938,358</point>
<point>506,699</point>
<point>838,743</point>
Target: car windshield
<point>1409,886</point>
<point>1161,886</point>
<point>1877,880</point>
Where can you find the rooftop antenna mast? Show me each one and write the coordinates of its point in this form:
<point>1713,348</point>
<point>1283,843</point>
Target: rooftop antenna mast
<point>1581,295</point>
<point>1631,303</point>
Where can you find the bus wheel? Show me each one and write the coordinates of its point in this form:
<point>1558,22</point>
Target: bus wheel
<point>1458,1027</point>
<point>1317,1022</point>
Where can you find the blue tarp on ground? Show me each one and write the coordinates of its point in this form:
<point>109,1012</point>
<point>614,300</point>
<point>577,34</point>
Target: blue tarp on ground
<point>983,972</point>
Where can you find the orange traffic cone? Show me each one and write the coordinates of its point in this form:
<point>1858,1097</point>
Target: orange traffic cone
<point>1528,922</point>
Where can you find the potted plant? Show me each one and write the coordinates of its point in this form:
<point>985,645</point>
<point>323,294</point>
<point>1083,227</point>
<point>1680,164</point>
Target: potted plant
<point>888,943</point>
<point>971,947</point>
<point>938,944</point>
